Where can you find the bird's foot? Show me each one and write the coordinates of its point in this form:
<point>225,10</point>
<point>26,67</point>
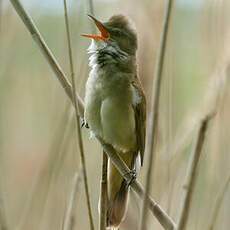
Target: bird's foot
<point>132,177</point>
<point>84,123</point>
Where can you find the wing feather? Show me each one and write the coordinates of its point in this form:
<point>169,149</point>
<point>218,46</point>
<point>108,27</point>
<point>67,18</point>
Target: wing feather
<point>140,117</point>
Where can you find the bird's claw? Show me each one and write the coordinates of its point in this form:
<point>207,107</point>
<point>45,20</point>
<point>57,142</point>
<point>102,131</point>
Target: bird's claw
<point>132,175</point>
<point>84,124</point>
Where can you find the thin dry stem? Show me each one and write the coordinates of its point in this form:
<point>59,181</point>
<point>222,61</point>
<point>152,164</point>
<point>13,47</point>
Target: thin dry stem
<point>157,211</point>
<point>76,107</point>
<point>192,173</point>
<point>103,188</point>
<point>218,203</point>
<point>69,215</point>
<point>103,194</point>
<point>151,147</point>
<point>170,179</point>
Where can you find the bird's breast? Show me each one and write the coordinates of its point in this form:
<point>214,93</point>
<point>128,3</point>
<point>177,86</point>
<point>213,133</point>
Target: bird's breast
<point>108,108</point>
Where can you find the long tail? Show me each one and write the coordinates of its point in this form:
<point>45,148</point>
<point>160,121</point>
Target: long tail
<point>117,192</point>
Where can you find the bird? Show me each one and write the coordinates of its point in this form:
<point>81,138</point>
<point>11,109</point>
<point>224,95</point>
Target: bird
<point>115,104</point>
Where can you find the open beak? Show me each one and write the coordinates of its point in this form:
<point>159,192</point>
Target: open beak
<point>104,32</point>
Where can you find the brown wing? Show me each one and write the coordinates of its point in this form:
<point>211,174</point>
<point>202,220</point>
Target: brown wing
<point>140,117</point>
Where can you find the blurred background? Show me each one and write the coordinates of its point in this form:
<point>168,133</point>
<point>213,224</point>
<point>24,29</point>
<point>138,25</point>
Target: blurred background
<point>38,149</point>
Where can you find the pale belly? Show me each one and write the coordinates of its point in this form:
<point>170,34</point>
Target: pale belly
<point>110,115</point>
<point>118,124</point>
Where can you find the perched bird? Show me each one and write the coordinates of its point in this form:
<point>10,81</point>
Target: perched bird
<point>115,106</point>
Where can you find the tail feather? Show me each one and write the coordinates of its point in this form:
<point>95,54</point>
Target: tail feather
<point>118,206</point>
<point>118,192</point>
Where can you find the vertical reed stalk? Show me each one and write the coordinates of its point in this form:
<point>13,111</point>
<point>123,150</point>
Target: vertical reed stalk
<point>152,136</point>
<point>192,173</point>
<point>75,103</point>
<point>104,194</point>
<point>103,187</point>
<point>69,219</point>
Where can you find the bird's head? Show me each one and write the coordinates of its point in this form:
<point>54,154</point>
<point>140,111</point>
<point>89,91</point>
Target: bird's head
<point>116,31</point>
